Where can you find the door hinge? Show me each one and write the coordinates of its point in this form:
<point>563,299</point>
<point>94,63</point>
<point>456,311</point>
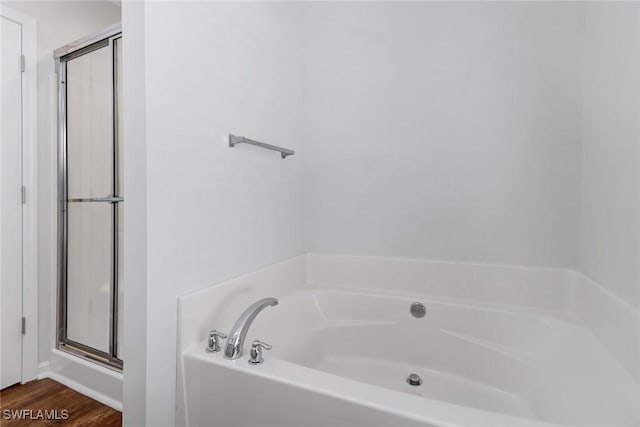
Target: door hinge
<point>23,194</point>
<point>22,63</point>
<point>24,325</point>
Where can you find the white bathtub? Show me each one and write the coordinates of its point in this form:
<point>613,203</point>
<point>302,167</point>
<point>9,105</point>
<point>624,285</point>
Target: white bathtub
<point>341,356</point>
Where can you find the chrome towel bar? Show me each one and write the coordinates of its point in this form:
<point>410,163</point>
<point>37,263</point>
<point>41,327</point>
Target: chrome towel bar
<point>284,152</point>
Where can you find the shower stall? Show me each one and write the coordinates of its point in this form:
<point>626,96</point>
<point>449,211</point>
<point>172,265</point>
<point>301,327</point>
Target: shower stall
<point>90,198</point>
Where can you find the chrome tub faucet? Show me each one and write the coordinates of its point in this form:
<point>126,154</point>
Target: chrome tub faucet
<point>238,333</point>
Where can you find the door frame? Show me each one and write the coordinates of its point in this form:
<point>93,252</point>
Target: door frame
<point>30,183</point>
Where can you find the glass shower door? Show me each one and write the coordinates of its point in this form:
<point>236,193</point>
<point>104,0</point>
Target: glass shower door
<point>89,205</point>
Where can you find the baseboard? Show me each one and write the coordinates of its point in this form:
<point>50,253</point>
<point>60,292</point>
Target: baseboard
<point>93,381</point>
<point>43,370</point>
<point>95,395</point>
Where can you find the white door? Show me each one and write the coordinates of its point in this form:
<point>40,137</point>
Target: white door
<point>11,205</point>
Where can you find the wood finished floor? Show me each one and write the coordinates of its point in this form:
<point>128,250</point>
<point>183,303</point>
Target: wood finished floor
<point>48,395</point>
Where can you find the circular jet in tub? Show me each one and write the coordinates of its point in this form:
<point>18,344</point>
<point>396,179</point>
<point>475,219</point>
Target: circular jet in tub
<point>418,309</point>
<point>414,380</point>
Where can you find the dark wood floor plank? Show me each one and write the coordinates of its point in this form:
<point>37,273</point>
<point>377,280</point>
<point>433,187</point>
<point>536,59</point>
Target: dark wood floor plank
<point>49,395</point>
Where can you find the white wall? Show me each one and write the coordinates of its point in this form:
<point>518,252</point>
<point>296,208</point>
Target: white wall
<point>444,130</point>
<point>212,211</point>
<point>135,215</point>
<point>610,223</point>
<point>58,23</point>
<point>61,22</point>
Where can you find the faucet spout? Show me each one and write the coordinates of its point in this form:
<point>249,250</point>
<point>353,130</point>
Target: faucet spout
<point>235,342</point>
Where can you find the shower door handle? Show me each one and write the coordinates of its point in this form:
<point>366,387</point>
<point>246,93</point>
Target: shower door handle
<point>108,199</point>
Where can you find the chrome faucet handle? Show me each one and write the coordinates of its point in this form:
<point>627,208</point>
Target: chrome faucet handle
<point>213,345</point>
<point>255,354</point>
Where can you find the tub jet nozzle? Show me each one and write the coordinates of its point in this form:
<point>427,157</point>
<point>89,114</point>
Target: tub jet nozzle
<point>414,379</point>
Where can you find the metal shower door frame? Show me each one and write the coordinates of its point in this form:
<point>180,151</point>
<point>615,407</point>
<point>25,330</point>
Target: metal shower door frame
<point>84,46</point>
